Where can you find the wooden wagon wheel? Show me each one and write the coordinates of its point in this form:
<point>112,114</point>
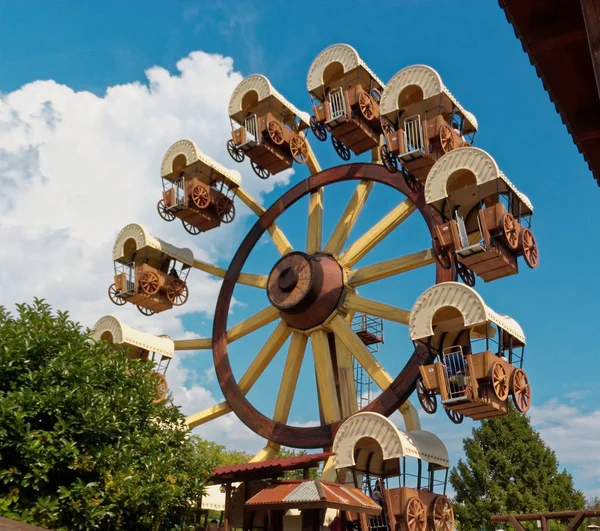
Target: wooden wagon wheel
<point>235,152</point>
<point>177,292</point>
<point>161,388</point>
<point>340,148</point>
<point>112,295</point>
<point>200,197</point>
<point>318,129</point>
<point>413,183</point>
<point>499,380</point>
<point>466,274</point>
<point>225,209</point>
<point>415,515</point>
<point>275,132</point>
<point>145,311</point>
<point>149,283</point>
<point>190,228</point>
<point>388,159</point>
<point>529,248</point>
<point>386,126</point>
<point>443,514</point>
<point>441,254</point>
<point>260,171</point>
<point>299,149</point>
<point>510,230</point>
<point>167,215</point>
<point>454,416</point>
<point>365,102</point>
<point>520,389</point>
<point>426,397</point>
<point>446,138</point>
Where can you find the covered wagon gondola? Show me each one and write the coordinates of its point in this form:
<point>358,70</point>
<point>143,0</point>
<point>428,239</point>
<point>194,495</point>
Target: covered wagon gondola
<point>266,127</point>
<point>422,121</point>
<point>346,95</point>
<point>141,346</point>
<point>483,220</point>
<point>477,354</point>
<point>149,272</point>
<point>406,472</point>
<point>196,189</point>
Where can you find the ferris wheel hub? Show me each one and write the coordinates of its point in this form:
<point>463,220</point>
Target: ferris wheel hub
<point>306,288</point>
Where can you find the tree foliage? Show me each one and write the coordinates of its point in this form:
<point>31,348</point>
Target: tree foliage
<point>82,445</point>
<point>509,469</point>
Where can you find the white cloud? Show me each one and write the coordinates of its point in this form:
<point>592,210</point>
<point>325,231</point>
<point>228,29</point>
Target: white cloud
<point>75,168</point>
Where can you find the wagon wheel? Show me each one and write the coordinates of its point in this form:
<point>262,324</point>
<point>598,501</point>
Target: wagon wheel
<point>145,311</point>
<point>225,209</point>
<point>413,183</point>
<point>275,132</point>
<point>466,274</point>
<point>299,149</point>
<point>426,397</point>
<point>318,129</point>
<point>443,514</point>
<point>509,230</point>
<point>150,283</point>
<point>454,416</point>
<point>386,126</point>
<point>260,171</point>
<point>441,254</point>
<point>499,380</point>
<point>446,138</point>
<point>415,515</point>
<point>177,292</point>
<point>114,298</point>
<point>340,148</point>
<point>161,389</point>
<point>167,215</point>
<point>365,102</point>
<point>520,389</point>
<point>190,228</point>
<point>200,197</point>
<point>529,248</point>
<point>235,152</point>
<point>388,159</point>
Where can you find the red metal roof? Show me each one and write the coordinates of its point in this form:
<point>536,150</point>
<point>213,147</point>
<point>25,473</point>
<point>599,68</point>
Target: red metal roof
<point>268,469</point>
<point>313,495</point>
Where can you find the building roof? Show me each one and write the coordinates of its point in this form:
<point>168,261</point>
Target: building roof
<point>268,469</point>
<point>553,34</point>
<point>313,495</point>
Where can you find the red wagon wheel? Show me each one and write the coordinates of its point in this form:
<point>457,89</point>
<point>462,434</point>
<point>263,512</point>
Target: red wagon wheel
<point>150,283</point>
<point>441,254</point>
<point>499,380</point>
<point>365,102</point>
<point>200,197</point>
<point>177,292</point>
<point>446,138</point>
<point>299,149</point>
<point>521,391</point>
<point>443,514</point>
<point>225,209</point>
<point>415,515</point>
<point>388,159</point>
<point>275,132</point>
<point>114,298</point>
<point>509,229</point>
<point>161,388</point>
<point>426,397</point>
<point>454,416</point>
<point>529,248</point>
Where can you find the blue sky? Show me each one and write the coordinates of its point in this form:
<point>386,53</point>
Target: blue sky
<point>89,46</point>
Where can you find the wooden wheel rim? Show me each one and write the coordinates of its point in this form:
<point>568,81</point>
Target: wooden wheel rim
<point>388,159</point>
<point>299,149</point>
<point>521,390</point>
<point>466,274</point>
<point>443,514</point>
<point>275,132</point>
<point>499,380</point>
<point>365,102</point>
<point>161,388</point>
<point>509,226</point>
<point>145,311</point>
<point>446,138</point>
<point>200,197</point>
<point>427,398</point>
<point>389,400</point>
<point>225,209</point>
<point>234,152</point>
<point>163,212</point>
<point>341,149</point>
<point>177,292</point>
<point>415,515</point>
<point>530,248</point>
<point>150,283</point>
<point>112,295</point>
<point>455,416</point>
<point>190,228</point>
<point>441,255</point>
<point>260,171</point>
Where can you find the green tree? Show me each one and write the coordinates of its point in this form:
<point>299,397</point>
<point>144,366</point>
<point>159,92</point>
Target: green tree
<point>82,445</point>
<point>509,469</point>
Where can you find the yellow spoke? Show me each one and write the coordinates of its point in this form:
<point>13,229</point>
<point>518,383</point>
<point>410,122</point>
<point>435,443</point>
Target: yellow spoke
<point>311,160</point>
<point>347,385</point>
<point>325,376</point>
<point>266,454</point>
<point>204,343</point>
<point>357,303</point>
<point>249,279</point>
<point>348,219</point>
<point>258,320</point>
<point>389,268</point>
<point>291,371</point>
<point>208,414</point>
<point>314,236</point>
<point>377,233</point>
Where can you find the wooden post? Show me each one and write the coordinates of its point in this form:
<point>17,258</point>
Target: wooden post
<point>544,523</point>
<point>576,521</point>
<point>227,516</point>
